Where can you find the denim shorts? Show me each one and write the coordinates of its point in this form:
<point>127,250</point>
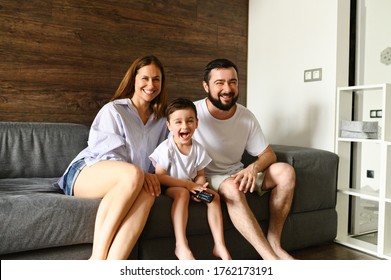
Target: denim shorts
<point>71,175</point>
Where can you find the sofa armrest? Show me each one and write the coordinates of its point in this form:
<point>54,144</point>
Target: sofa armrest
<point>316,176</point>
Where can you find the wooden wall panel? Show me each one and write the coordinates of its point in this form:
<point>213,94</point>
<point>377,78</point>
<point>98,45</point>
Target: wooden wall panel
<point>60,61</point>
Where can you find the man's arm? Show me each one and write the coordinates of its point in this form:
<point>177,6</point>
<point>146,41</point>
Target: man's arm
<point>246,178</point>
<point>264,160</point>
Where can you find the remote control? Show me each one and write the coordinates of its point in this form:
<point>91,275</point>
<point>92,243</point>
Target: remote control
<point>204,196</point>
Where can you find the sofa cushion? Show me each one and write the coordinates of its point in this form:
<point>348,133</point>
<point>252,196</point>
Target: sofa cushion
<point>35,215</point>
<point>160,217</point>
<point>39,149</point>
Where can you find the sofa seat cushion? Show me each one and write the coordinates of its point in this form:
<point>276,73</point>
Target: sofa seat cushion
<point>159,224</point>
<point>35,215</point>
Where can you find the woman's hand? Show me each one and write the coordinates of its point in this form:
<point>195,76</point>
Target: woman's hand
<point>151,184</point>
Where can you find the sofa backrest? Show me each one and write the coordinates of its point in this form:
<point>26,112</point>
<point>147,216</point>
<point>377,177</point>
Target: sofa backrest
<point>41,150</point>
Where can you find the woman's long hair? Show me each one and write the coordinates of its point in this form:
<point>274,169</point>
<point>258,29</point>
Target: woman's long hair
<point>127,86</point>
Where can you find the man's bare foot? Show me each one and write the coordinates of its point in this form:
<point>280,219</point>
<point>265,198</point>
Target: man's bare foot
<point>184,253</point>
<point>282,254</point>
<point>221,252</point>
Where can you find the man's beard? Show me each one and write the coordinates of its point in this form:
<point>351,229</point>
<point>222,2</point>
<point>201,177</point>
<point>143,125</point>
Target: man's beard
<point>218,104</point>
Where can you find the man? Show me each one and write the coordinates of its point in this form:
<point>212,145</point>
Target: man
<point>226,129</point>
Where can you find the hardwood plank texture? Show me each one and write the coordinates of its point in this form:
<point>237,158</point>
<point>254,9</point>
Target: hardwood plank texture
<point>331,251</point>
<point>62,60</point>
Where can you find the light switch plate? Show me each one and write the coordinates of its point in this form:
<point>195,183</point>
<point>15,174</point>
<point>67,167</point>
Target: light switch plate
<point>313,75</point>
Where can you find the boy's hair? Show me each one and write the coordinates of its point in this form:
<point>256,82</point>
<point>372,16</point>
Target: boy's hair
<point>180,104</point>
<point>217,64</point>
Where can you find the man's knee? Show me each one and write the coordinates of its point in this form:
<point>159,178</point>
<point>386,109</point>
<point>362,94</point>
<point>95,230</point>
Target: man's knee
<point>282,171</point>
<point>229,191</point>
<point>289,175</point>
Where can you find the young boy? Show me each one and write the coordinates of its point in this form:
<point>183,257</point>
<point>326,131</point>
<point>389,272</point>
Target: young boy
<point>179,162</point>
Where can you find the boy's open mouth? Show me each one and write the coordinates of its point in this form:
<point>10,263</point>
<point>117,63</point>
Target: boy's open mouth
<point>184,134</point>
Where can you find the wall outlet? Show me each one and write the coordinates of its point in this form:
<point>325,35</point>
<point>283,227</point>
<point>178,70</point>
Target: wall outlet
<point>370,174</point>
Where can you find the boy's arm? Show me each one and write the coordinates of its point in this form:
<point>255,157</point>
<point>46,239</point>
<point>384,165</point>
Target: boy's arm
<point>200,178</point>
<point>170,181</point>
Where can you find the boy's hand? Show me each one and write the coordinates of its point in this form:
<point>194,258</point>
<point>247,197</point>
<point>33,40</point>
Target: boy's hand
<point>196,187</point>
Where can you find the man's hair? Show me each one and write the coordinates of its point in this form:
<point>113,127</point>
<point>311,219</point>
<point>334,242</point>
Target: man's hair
<point>217,64</point>
<point>180,104</point>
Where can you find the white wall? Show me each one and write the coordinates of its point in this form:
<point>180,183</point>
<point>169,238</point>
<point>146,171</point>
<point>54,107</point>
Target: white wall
<point>375,35</point>
<point>285,38</point>
<point>374,29</point>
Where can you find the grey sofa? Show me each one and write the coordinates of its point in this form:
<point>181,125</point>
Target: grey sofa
<point>37,221</point>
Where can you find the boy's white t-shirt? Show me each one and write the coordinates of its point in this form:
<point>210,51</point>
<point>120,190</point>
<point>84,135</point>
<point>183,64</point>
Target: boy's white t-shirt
<point>226,140</point>
<point>178,165</point>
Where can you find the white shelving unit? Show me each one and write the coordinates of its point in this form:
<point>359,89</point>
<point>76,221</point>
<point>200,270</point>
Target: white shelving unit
<point>364,178</point>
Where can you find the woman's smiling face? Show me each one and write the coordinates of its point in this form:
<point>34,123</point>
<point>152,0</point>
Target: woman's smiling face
<point>148,83</point>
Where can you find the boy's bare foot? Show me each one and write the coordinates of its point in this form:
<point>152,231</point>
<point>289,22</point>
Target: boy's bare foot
<point>183,253</point>
<point>221,252</point>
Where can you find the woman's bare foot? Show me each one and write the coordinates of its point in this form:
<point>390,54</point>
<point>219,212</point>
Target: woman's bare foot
<point>221,252</point>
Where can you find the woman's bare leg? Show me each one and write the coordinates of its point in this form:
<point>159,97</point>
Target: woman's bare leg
<point>128,233</point>
<point>119,185</point>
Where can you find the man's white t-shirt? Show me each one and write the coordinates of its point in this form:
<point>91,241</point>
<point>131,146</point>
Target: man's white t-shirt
<point>226,140</point>
<point>178,165</point>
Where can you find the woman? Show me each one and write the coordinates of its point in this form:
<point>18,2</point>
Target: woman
<point>115,166</point>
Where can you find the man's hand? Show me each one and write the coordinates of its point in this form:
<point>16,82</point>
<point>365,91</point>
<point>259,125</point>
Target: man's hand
<point>246,178</point>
